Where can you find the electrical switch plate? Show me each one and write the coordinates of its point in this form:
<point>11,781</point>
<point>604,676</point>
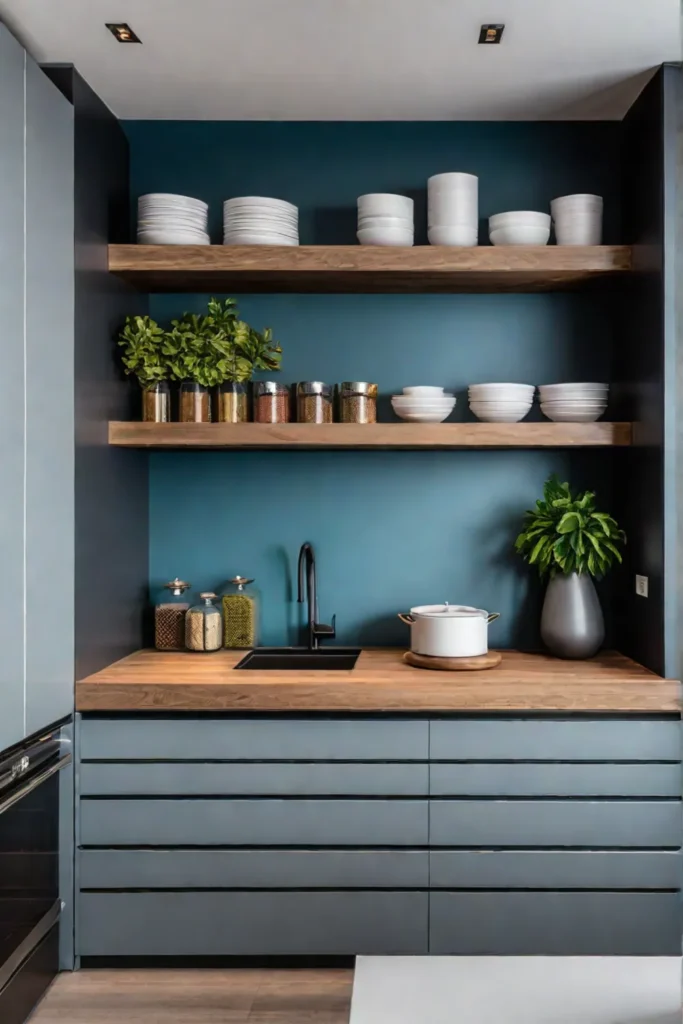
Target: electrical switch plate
<point>641,586</point>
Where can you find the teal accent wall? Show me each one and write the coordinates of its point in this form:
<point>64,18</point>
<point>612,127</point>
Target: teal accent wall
<point>391,529</point>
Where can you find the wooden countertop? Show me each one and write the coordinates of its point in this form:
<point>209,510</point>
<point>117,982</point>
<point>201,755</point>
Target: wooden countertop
<point>154,680</point>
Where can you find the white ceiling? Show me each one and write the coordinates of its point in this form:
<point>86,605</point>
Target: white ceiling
<point>356,59</point>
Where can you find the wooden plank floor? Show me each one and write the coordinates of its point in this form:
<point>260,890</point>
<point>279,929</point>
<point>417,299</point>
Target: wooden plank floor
<point>241,996</point>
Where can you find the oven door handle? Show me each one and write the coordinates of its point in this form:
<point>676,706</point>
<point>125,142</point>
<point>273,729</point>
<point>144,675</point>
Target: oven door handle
<point>33,783</point>
<point>32,940</point>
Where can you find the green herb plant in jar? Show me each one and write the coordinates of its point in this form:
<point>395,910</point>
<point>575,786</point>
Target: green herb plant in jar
<point>240,613</point>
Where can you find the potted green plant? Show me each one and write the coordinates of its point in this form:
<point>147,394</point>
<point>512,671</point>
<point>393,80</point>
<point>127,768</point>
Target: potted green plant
<point>142,341</point>
<point>200,357</point>
<point>570,543</point>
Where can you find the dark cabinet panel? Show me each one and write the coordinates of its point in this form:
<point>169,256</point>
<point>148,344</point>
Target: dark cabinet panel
<point>555,779</point>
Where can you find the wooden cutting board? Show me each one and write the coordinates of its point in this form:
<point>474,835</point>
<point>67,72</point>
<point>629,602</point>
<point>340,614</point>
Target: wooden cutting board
<point>476,664</point>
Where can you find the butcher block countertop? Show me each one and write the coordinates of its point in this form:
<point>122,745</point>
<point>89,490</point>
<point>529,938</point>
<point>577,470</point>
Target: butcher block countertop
<point>160,681</point>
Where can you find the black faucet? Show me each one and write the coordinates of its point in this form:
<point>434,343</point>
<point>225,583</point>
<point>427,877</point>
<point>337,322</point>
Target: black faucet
<point>316,630</point>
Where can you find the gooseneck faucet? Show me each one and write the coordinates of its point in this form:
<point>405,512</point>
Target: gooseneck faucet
<point>316,629</point>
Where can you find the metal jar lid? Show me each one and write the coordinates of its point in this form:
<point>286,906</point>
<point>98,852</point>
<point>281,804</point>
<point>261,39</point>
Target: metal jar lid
<point>313,387</point>
<point>177,586</point>
<point>270,387</point>
<point>358,387</point>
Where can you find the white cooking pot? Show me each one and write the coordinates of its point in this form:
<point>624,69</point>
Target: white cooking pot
<point>449,630</point>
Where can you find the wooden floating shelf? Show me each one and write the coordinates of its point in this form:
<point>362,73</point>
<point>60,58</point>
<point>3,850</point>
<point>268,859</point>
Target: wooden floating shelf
<point>377,435</point>
<point>357,268</point>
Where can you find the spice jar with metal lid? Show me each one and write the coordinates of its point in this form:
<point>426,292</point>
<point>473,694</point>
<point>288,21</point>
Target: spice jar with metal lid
<point>233,404</point>
<point>313,402</point>
<point>204,626</point>
<point>271,402</point>
<point>357,402</point>
<point>169,616</point>
<point>240,613</point>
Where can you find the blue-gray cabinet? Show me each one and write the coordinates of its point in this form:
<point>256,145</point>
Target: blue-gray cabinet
<point>343,835</point>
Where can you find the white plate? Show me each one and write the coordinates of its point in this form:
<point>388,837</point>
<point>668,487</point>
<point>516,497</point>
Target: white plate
<point>275,204</point>
<point>167,238</point>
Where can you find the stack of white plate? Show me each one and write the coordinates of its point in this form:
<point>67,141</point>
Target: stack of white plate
<point>578,219</point>
<point>519,227</point>
<point>385,219</point>
<point>501,403</point>
<point>453,209</point>
<point>573,403</point>
<point>258,220</point>
<point>165,219</point>
<point>423,405</point>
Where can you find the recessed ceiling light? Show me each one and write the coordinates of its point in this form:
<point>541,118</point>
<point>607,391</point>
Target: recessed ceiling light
<point>124,33</point>
<point>491,33</point>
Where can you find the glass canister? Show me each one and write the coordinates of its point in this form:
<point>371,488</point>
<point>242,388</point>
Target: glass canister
<point>169,617</point>
<point>195,404</point>
<point>156,403</point>
<point>313,402</point>
<point>233,405</point>
<point>357,402</point>
<point>271,402</point>
<point>204,626</point>
<point>240,613</point>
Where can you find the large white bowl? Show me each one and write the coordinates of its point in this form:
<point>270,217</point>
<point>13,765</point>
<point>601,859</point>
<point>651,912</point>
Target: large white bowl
<point>411,403</point>
<point>499,414</point>
<point>254,238</point>
<point>423,416</point>
<point>385,204</point>
<point>385,236</point>
<point>268,201</point>
<point>578,201</point>
<point>453,235</point>
<point>563,415</point>
<point>423,389</point>
<point>520,217</point>
<point>453,181</point>
<point>171,238</point>
<point>565,389</point>
<point>170,199</point>
<point>520,235</point>
<point>520,389</point>
<point>367,223</point>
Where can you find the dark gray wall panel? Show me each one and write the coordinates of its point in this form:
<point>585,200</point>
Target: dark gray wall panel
<point>49,401</point>
<point>555,923</point>
<point>637,739</point>
<point>196,923</point>
<point>254,739</point>
<point>555,779</point>
<point>554,869</point>
<point>12,388</point>
<point>253,822</point>
<point>239,779</point>
<point>599,823</point>
<point>254,869</point>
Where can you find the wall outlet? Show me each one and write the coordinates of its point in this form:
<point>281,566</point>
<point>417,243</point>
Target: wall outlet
<point>641,586</point>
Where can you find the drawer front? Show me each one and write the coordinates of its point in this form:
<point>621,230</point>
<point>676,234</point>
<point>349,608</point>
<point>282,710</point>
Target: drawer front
<point>253,923</point>
<point>625,823</point>
<point>254,822</point>
<point>555,779</point>
<point>555,923</point>
<point>554,869</point>
<point>253,739</point>
<point>530,739</point>
<point>254,869</point>
<point>257,779</point>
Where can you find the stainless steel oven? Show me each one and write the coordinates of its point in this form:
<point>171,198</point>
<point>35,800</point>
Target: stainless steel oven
<point>29,872</point>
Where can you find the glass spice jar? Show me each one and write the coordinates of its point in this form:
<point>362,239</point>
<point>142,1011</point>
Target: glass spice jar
<point>313,402</point>
<point>169,617</point>
<point>240,613</point>
<point>271,402</point>
<point>233,404</point>
<point>358,402</point>
<point>195,405</point>
<point>203,626</point>
<point>156,403</point>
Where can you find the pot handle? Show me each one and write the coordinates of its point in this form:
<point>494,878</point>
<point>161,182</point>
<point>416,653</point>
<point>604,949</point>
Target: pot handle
<point>408,619</point>
<point>492,616</point>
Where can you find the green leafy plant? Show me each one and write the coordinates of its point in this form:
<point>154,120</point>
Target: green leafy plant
<point>142,342</point>
<point>564,534</point>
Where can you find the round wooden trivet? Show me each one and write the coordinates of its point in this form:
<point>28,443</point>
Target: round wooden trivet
<point>476,664</point>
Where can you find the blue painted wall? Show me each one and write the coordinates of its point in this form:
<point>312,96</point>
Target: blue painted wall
<point>391,529</point>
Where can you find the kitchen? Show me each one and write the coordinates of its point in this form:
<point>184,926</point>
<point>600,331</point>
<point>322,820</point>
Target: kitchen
<point>334,813</point>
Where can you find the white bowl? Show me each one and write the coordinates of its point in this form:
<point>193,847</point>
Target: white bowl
<point>522,389</point>
<point>171,238</point>
<point>519,217</point>
<point>561,389</point>
<point>578,201</point>
<point>368,223</point>
<point>385,236</point>
<point>578,236</point>
<point>268,201</point>
<point>563,415</point>
<point>423,389</point>
<point>170,199</point>
<point>453,180</point>
<point>254,238</point>
<point>385,204</point>
<point>424,416</point>
<point>520,235</point>
<point>453,235</point>
<point>414,402</point>
<point>424,406</point>
<point>499,414</point>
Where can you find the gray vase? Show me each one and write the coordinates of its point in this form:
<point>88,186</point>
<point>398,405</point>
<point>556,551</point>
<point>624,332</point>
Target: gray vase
<point>572,625</point>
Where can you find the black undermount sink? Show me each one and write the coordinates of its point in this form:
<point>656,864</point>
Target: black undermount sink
<point>300,658</point>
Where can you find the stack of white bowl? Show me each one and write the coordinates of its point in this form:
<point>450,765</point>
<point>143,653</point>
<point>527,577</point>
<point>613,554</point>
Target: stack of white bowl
<point>453,209</point>
<point>385,219</point>
<point>258,220</point>
<point>578,219</point>
<point>423,404</point>
<point>166,219</point>
<point>519,227</point>
<point>573,403</point>
<point>501,403</point>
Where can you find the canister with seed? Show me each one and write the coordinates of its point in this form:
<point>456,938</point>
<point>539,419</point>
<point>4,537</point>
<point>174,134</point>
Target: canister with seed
<point>313,402</point>
<point>240,613</point>
<point>358,402</point>
<point>271,402</point>
<point>169,616</point>
<point>204,626</point>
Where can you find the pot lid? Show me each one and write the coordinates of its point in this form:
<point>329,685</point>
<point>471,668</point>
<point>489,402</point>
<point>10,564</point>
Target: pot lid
<point>448,611</point>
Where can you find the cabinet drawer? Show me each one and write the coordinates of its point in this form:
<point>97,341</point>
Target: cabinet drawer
<point>528,739</point>
<point>555,779</point>
<point>254,822</point>
<point>251,923</point>
<point>253,739</point>
<point>159,778</point>
<point>254,869</point>
<point>555,869</point>
<point>590,823</point>
<point>555,923</point>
